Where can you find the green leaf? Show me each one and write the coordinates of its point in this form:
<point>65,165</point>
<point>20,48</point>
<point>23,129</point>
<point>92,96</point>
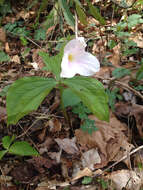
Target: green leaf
<point>52,18</point>
<point>53,63</point>
<point>40,34</point>
<point>86,180</point>
<point>78,3</point>
<point>81,14</point>
<point>134,19</point>
<point>95,13</point>
<point>4,57</point>
<point>23,148</point>
<point>23,40</point>
<point>89,126</point>
<point>139,74</point>
<point>2,153</point>
<point>7,140</point>
<point>112,44</point>
<point>25,95</point>
<point>120,72</point>
<point>69,98</point>
<point>92,94</point>
<point>66,11</point>
<point>4,91</point>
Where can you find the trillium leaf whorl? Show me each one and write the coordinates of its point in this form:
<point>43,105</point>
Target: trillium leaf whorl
<point>77,61</point>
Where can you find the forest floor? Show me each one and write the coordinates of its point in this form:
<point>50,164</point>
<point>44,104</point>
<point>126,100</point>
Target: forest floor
<point>71,158</point>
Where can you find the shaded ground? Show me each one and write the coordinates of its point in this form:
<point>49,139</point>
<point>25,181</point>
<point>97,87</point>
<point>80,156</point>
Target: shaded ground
<point>67,155</point>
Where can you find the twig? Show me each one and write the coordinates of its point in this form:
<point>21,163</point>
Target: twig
<point>122,85</point>
<point>123,158</point>
<point>129,88</point>
<point>32,42</point>
<point>76,26</point>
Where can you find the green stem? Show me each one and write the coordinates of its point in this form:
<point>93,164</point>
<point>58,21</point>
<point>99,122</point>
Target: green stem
<point>62,105</point>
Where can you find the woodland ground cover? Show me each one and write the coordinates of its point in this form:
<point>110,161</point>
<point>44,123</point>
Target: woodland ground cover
<point>79,145</point>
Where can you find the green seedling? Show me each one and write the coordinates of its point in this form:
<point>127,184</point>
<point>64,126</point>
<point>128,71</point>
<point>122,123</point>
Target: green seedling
<point>21,148</point>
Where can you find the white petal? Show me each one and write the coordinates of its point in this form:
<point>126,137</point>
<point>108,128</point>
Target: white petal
<point>75,45</point>
<point>67,69</point>
<point>86,64</point>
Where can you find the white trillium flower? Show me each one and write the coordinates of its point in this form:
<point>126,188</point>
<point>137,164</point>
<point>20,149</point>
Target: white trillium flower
<point>77,61</point>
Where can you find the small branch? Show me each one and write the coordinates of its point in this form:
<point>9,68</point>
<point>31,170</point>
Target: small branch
<point>123,158</point>
<point>122,85</point>
<point>76,26</point>
<point>129,88</point>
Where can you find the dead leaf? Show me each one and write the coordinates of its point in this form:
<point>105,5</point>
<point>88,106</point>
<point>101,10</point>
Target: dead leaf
<point>137,111</point>
<point>45,146</point>
<point>7,49</point>
<point>109,140</point>
<point>3,113</point>
<point>37,59</point>
<point>55,125</point>
<point>82,173</point>
<point>125,179</point>
<point>126,109</point>
<point>23,173</point>
<point>48,185</point>
<point>68,145</point>
<point>115,57</point>
<point>15,59</point>
<point>138,39</point>
<point>34,65</point>
<point>40,163</point>
<point>104,72</point>
<point>90,158</point>
<point>55,156</point>
<point>2,35</point>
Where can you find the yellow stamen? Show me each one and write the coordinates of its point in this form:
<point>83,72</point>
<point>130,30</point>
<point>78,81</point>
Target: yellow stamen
<point>70,57</point>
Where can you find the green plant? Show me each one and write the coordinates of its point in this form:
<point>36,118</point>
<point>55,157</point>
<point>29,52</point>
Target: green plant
<point>4,57</point>
<point>139,74</point>
<point>113,96</point>
<point>4,91</point>
<point>103,183</point>
<point>40,34</point>
<point>86,180</point>
<point>21,148</point>
<point>26,94</point>
<point>120,72</point>
<point>123,32</point>
<point>17,29</point>
<point>83,112</point>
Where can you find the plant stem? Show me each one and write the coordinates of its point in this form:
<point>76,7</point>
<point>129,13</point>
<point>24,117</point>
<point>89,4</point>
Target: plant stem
<point>62,106</point>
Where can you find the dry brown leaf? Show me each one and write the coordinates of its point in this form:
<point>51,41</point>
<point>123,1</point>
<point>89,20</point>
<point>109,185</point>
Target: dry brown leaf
<point>2,35</point>
<point>55,156</point>
<point>90,158</point>
<point>131,180</point>
<point>7,49</point>
<point>115,57</point>
<point>2,113</point>
<point>68,145</point>
<point>15,59</point>
<point>37,59</point>
<point>125,109</point>
<point>138,39</point>
<point>109,140</point>
<point>48,185</point>
<point>82,173</point>
<point>137,111</point>
<point>55,125</point>
<point>44,147</point>
<point>104,72</point>
<point>40,163</point>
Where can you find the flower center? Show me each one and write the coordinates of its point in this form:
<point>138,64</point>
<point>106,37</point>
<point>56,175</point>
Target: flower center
<point>70,57</point>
